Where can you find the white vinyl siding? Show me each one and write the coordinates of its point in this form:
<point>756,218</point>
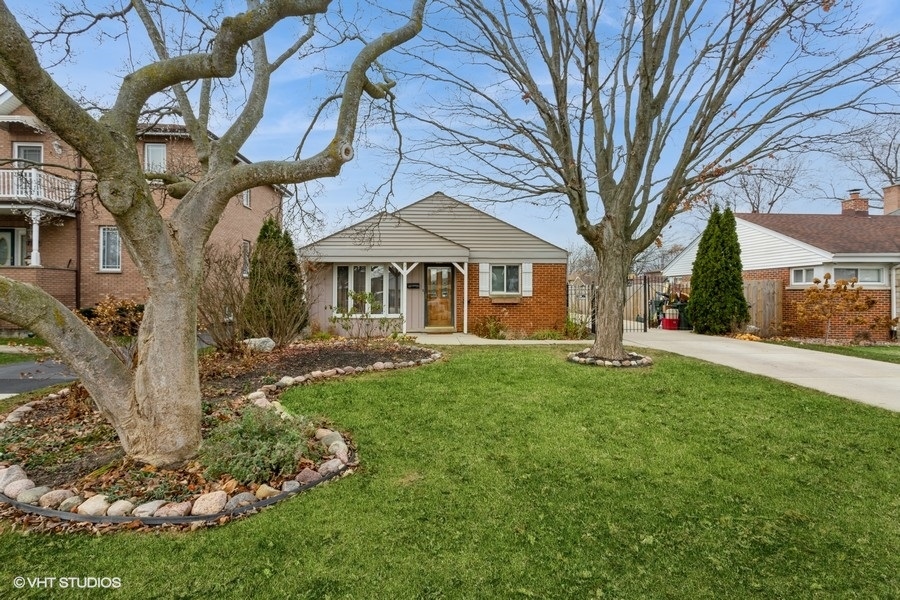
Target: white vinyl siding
<point>110,249</point>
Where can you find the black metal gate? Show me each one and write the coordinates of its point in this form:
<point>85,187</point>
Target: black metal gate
<point>646,295</point>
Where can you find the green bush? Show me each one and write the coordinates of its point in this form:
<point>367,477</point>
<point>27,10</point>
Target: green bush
<point>717,304</point>
<point>492,328</point>
<point>257,447</point>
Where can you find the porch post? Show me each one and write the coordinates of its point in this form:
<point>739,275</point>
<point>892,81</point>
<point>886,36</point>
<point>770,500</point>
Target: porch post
<point>465,272</point>
<point>403,293</point>
<point>35,237</point>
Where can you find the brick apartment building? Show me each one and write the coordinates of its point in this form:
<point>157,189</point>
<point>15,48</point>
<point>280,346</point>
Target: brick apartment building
<point>53,234</point>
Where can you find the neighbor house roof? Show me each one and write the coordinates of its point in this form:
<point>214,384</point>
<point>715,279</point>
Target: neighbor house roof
<point>837,234</point>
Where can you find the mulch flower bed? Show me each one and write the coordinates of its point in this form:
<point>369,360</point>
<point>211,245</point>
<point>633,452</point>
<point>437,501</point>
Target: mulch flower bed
<point>65,443</point>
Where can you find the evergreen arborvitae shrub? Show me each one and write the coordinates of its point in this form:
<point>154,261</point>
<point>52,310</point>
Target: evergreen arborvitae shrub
<point>275,305</point>
<point>717,304</point>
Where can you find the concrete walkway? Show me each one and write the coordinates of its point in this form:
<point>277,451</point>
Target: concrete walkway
<point>867,381</point>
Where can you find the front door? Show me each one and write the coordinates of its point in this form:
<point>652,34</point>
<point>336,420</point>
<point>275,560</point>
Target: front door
<point>27,183</point>
<point>439,296</point>
<point>7,259</point>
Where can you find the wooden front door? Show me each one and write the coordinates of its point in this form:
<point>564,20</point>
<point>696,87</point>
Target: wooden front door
<point>439,296</point>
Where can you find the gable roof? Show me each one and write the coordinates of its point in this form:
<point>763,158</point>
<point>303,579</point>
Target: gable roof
<point>837,234</point>
<point>385,236</point>
<point>488,237</point>
<point>436,228</point>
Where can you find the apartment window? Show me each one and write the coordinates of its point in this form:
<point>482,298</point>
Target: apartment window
<point>110,249</point>
<point>862,275</point>
<point>382,281</point>
<point>245,198</point>
<point>505,279</point>
<point>155,158</point>
<point>802,276</point>
<point>245,258</point>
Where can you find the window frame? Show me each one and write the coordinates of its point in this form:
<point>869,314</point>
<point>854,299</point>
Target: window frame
<point>857,269</point>
<point>245,198</point>
<point>149,163</point>
<point>389,274</point>
<point>506,291</point>
<point>103,266</point>
<point>246,250</point>
<point>804,270</point>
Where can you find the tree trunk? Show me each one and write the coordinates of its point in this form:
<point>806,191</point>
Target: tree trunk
<point>612,275</point>
<point>164,424</point>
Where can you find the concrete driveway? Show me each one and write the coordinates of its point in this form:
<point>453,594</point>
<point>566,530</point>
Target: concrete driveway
<point>867,381</point>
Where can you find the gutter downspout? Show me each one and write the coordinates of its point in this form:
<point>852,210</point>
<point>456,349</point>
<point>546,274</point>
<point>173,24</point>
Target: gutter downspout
<point>78,223</point>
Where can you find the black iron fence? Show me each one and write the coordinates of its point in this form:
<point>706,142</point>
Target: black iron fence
<point>649,299</point>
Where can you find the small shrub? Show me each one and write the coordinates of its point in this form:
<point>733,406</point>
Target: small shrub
<point>257,447</point>
<point>575,329</point>
<point>363,320</point>
<point>492,328</point>
<point>116,322</point>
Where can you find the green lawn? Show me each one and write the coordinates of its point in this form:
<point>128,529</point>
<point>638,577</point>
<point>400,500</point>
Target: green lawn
<point>12,358</point>
<point>509,473</point>
<point>885,353</point>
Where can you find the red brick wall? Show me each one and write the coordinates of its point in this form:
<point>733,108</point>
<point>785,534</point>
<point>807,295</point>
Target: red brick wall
<point>840,330</point>
<point>545,309</point>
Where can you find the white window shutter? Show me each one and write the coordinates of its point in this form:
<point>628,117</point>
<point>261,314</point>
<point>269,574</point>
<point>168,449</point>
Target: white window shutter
<point>484,279</point>
<point>527,280</point>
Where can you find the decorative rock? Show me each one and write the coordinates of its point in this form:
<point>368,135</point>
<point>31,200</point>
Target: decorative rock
<point>173,509</point>
<point>70,504</point>
<point>95,506</point>
<point>262,402</point>
<point>54,498</point>
<point>379,366</point>
<point>307,475</point>
<point>331,438</point>
<point>269,388</point>
<point>349,370</point>
<point>120,508</point>
<point>338,449</point>
<point>253,396</point>
<point>14,417</point>
<point>389,365</point>
<point>17,487</point>
<point>329,373</point>
<point>266,491</point>
<point>24,409</point>
<point>330,467</point>
<point>285,382</point>
<point>299,380</point>
<point>63,392</point>
<point>239,501</point>
<point>10,474</point>
<point>210,504</point>
<point>260,344</point>
<point>148,509</point>
<point>290,485</point>
<point>321,432</point>
<point>315,375</point>
<point>53,397</point>
<point>32,495</point>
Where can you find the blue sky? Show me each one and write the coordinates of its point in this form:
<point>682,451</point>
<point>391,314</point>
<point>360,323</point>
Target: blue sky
<point>294,94</point>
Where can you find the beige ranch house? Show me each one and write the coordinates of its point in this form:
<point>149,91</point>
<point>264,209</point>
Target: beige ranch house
<point>438,266</point>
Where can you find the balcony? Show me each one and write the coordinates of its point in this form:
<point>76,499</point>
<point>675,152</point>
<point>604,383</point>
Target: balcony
<point>26,189</point>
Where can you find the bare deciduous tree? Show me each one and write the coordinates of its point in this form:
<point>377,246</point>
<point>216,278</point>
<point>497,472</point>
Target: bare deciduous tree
<point>625,112</point>
<point>872,153</point>
<point>202,62</point>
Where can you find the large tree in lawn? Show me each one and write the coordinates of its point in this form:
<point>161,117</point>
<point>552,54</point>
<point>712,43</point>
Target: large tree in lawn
<point>156,408</point>
<point>624,112</point>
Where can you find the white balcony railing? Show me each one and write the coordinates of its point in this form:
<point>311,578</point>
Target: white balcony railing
<point>33,186</point>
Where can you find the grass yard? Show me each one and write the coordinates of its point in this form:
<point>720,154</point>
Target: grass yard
<point>509,473</point>
<point>885,353</point>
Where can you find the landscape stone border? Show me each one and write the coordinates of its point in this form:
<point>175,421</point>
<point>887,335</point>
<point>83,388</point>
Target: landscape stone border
<point>210,508</point>
<point>633,360</point>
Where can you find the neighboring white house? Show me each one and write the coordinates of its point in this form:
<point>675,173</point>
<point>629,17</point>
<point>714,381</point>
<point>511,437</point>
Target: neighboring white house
<point>798,248</point>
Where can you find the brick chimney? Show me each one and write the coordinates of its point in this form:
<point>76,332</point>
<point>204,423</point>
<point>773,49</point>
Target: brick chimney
<point>892,200</point>
<point>855,206</point>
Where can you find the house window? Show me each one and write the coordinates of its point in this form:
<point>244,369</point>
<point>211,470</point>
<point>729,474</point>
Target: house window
<point>802,276</point>
<point>245,258</point>
<point>867,275</point>
<point>381,281</point>
<point>245,198</point>
<point>110,249</point>
<point>505,279</point>
<point>155,158</point>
